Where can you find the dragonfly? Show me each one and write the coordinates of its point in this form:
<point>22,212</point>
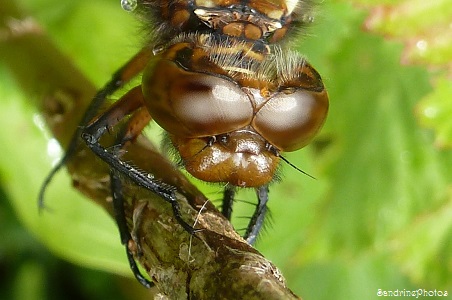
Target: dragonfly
<point>219,77</point>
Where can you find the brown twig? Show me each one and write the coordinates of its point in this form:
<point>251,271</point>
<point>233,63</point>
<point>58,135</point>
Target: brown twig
<point>216,263</point>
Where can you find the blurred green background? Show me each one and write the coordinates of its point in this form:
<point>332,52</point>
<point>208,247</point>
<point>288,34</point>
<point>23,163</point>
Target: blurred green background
<point>379,215</point>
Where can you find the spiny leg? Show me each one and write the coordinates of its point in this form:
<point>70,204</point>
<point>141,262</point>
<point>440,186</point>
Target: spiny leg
<point>129,103</point>
<point>129,132</point>
<point>228,201</point>
<point>132,68</point>
<point>165,191</point>
<point>118,206</point>
<point>257,220</point>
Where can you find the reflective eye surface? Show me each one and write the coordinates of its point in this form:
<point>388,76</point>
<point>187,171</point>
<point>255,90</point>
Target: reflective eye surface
<point>210,105</point>
<point>290,121</point>
<point>193,104</point>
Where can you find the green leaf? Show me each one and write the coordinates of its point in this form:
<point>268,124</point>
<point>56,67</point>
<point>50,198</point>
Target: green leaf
<point>72,227</point>
<point>435,112</point>
<point>423,26</point>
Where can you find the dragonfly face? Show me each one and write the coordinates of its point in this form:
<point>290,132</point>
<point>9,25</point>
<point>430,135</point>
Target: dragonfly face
<point>229,95</point>
<point>229,98</point>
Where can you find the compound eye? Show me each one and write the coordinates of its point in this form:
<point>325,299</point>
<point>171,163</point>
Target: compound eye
<point>289,121</point>
<point>191,104</point>
<point>210,105</point>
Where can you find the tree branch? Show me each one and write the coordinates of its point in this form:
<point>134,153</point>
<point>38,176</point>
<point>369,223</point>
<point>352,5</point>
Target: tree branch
<point>216,263</point>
